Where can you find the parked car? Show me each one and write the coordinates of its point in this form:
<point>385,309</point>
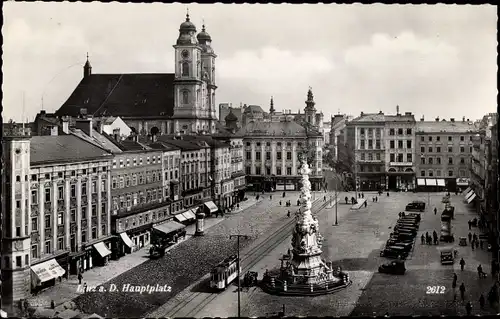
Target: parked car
<point>407,224</point>
<point>395,267</point>
<point>394,252</point>
<point>413,229</point>
<point>407,246</point>
<point>402,236</point>
<point>416,206</point>
<point>405,231</point>
<point>409,219</point>
<point>415,215</point>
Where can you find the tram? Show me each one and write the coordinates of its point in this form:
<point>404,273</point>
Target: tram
<point>224,273</point>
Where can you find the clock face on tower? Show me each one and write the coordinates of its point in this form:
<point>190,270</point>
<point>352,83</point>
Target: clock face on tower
<point>185,54</point>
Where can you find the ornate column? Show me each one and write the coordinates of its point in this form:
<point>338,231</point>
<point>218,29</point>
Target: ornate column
<point>99,206</point>
<point>55,211</point>
<point>78,233</point>
<point>41,215</point>
<point>252,168</point>
<point>67,217</point>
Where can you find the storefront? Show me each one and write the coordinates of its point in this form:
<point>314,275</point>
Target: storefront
<point>45,274</point>
<point>210,208</point>
<point>126,244</point>
<point>187,217</point>
<point>167,233</point>
<point>431,184</point>
<point>462,183</point>
<point>101,253</point>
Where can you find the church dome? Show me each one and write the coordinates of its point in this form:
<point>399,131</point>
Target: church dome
<point>230,117</point>
<point>203,36</point>
<point>187,25</point>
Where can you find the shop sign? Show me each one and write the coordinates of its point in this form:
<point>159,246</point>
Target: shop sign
<point>463,181</point>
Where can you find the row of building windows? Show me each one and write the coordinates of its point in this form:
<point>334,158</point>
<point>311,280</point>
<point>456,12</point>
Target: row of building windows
<point>400,131</point>
<point>370,168</point>
<point>450,149</point>
<point>370,131</point>
<point>61,219</point>
<point>279,156</point>
<point>129,200</point>
<point>369,156</point>
<point>392,144</point>
<point>258,171</point>
<point>362,144</point>
<point>34,177</point>
<point>155,159</point>
<point>438,138</point>
<point>438,160</point>
<point>399,158</point>
<point>451,173</point>
<point>72,192</point>
<point>136,179</point>
<point>279,144</point>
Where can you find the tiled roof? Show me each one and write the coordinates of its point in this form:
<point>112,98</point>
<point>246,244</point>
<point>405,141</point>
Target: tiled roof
<point>131,145</point>
<point>206,138</point>
<point>163,146</point>
<point>370,117</point>
<point>286,128</point>
<point>184,145</point>
<point>97,139</point>
<point>400,118</point>
<point>67,148</point>
<point>445,126</point>
<point>253,109</point>
<point>125,95</point>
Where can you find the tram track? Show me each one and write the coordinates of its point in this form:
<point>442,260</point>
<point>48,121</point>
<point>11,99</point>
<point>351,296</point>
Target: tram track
<point>195,302</point>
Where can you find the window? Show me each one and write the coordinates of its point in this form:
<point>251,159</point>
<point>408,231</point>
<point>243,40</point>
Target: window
<point>47,247</point>
<point>462,149</point>
<point>391,144</point>
<point>47,221</point>
<point>34,251</point>
<point>430,138</point>
<point>19,261</point>
<point>34,197</point>
<point>84,236</point>
<point>278,170</point>
<point>60,218</point>
<point>370,144</point>
<point>377,144</point>
<point>450,173</point>
<point>462,160</point>
<point>362,144</point>
<point>430,149</point>
<point>408,144</point>
<point>421,138</point>
<point>94,210</point>
<point>47,195</point>
<point>450,138</point>
<point>33,177</point>
<point>289,156</point>
<point>278,155</point>
<point>73,215</point>
<point>422,160</point>
<point>438,160</point>
<point>103,208</point>
<point>268,156</point>
<point>450,160</point>
<point>257,156</point>
<point>84,188</point>
<point>249,156</point>
<point>73,191</point>
<point>362,156</point>
<point>60,193</point>
<point>94,232</point>
<point>268,171</point>
<point>34,224</point>
<point>422,173</point>
<point>18,178</point>
<point>391,131</point>
<point>470,149</point>
<point>185,69</point>
<point>288,171</point>
<point>438,149</point>
<point>430,161</point>
<point>400,158</point>
<point>408,131</point>
<point>377,156</point>
<point>18,204</point>
<point>438,172</point>
<point>430,173</point>
<point>409,158</point>
<point>462,138</point>
<point>18,231</point>
<point>370,156</point>
<point>422,149</point>
<point>84,212</point>
<point>400,144</point>
<point>362,131</point>
<point>450,149</point>
<point>94,187</point>
<point>60,243</point>
<point>103,230</point>
<point>392,157</point>
<point>257,170</point>
<point>248,170</point>
<point>400,131</point>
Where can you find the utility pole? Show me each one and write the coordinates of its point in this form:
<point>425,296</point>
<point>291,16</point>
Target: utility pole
<point>355,174</point>
<point>238,236</point>
<point>336,201</point>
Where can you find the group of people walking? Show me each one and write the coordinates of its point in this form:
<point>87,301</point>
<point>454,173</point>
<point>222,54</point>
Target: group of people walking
<point>492,294</point>
<point>428,239</point>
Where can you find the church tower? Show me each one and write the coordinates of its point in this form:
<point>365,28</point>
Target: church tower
<point>208,57</point>
<point>191,113</point>
<point>87,68</point>
<point>310,110</point>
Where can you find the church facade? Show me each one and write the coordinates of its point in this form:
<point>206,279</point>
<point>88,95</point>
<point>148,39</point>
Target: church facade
<point>182,102</point>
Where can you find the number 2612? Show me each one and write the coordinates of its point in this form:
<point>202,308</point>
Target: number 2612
<point>434,290</point>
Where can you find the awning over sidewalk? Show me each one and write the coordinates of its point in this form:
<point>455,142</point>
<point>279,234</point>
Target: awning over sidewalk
<point>440,182</point>
<point>470,199</point>
<point>47,270</point>
<point>420,181</point>
<point>465,192</point>
<point>169,227</point>
<point>211,206</point>
<point>180,217</point>
<point>469,194</point>
<point>189,215</point>
<point>126,239</point>
<point>102,249</point>
<point>430,182</point>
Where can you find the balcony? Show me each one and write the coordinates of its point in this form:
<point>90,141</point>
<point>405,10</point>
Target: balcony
<point>399,164</point>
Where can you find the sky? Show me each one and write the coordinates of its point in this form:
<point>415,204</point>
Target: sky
<point>431,60</point>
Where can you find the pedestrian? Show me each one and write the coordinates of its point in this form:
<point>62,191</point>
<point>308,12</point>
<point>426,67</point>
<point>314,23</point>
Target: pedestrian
<point>474,237</point>
<point>387,194</point>
<point>454,283</point>
<point>470,237</point>
<point>470,224</point>
<point>376,198</point>
<point>346,199</point>
<point>52,304</point>
<point>284,194</point>
<point>468,308</point>
<point>477,244</point>
<point>472,244</point>
<point>462,291</point>
<point>362,195</point>
<point>479,271</point>
<point>238,205</point>
<point>481,301</point>
<point>422,239</point>
<point>288,215</point>
<point>270,197</point>
<point>80,277</point>
<point>462,264</point>
<point>435,211</point>
<point>366,204</point>
<point>324,198</point>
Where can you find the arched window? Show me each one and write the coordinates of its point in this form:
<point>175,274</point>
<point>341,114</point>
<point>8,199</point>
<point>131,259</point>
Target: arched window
<point>185,97</point>
<point>185,69</point>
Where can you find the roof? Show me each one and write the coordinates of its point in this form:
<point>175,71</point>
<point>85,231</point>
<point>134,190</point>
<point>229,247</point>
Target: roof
<point>370,117</point>
<point>445,126</point>
<point>180,142</point>
<point>163,146</point>
<point>253,109</point>
<point>207,139</point>
<point>125,95</point>
<point>63,148</point>
<point>400,118</point>
<point>286,128</point>
<point>101,140</point>
<point>131,145</point>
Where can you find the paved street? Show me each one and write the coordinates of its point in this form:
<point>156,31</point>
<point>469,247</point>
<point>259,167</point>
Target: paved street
<point>355,245</point>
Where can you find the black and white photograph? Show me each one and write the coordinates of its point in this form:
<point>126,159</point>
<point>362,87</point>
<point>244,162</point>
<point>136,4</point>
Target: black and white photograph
<point>249,160</point>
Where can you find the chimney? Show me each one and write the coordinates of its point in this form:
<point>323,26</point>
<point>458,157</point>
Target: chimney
<point>42,112</point>
<point>463,119</point>
<point>65,125</point>
<point>422,119</point>
<point>53,130</point>
<point>437,119</point>
<point>116,134</point>
<point>408,113</point>
<point>362,113</point>
<point>452,119</point>
<point>99,125</point>
<point>468,120</point>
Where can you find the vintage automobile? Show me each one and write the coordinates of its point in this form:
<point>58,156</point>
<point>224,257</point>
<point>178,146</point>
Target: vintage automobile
<point>406,225</point>
<point>462,241</point>
<point>402,236</point>
<point>405,231</point>
<point>396,252</point>
<point>414,215</point>
<point>416,206</point>
<point>395,267</point>
<point>409,219</point>
<point>250,279</point>
<point>391,243</point>
<point>447,257</point>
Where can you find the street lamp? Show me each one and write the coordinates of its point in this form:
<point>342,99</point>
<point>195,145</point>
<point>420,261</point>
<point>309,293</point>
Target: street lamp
<point>336,199</point>
<point>239,269</point>
<point>422,157</point>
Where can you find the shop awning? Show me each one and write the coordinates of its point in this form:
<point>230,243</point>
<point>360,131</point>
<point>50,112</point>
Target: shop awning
<point>189,214</point>
<point>469,194</point>
<point>211,206</point>
<point>47,270</point>
<point>180,217</point>
<point>126,239</point>
<point>102,249</point>
<point>440,182</point>
<point>169,227</point>
<point>430,182</point>
<point>465,192</point>
<point>420,181</point>
<point>470,199</point>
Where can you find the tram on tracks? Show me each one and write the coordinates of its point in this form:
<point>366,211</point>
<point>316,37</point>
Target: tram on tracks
<point>224,273</point>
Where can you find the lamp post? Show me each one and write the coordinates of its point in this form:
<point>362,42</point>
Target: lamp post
<point>239,269</point>
<point>422,158</point>
<point>336,199</point>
